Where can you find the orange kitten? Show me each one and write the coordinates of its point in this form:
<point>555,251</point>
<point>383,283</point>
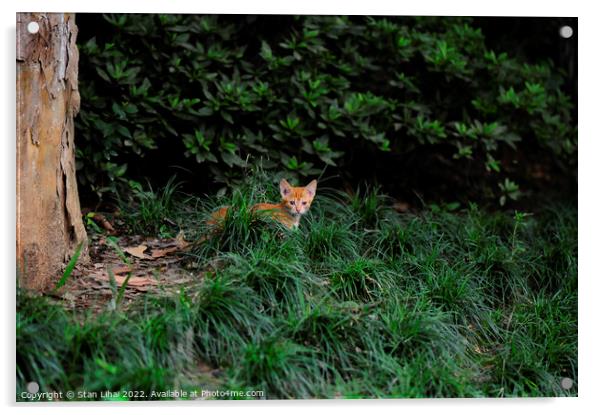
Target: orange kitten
<point>295,202</point>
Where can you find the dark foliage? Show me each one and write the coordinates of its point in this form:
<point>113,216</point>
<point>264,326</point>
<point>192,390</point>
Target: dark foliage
<point>424,104</point>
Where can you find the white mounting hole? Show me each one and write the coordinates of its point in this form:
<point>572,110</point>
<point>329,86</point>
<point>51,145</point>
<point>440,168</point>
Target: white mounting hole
<point>566,32</point>
<point>33,387</point>
<point>33,27</point>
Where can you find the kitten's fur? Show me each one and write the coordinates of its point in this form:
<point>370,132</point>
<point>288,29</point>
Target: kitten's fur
<point>295,203</point>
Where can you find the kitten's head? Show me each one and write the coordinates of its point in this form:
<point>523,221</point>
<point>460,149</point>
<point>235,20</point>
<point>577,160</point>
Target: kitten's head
<point>297,199</point>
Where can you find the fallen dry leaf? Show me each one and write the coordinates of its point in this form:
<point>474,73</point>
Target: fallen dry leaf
<point>122,269</point>
<point>134,282</point>
<point>137,251</point>
<point>401,207</point>
<point>180,241</point>
<point>104,222</point>
<point>149,273</point>
<point>158,253</point>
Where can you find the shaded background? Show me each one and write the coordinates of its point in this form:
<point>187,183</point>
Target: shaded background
<point>223,93</point>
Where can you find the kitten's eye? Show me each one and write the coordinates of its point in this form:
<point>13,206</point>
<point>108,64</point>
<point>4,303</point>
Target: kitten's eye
<point>304,203</point>
<point>292,202</point>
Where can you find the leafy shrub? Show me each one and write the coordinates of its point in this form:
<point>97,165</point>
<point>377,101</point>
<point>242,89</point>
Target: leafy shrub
<point>299,94</point>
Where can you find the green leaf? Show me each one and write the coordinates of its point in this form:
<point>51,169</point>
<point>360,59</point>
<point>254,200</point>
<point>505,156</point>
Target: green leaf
<point>232,159</point>
<point>266,51</point>
<point>226,116</point>
<point>102,74</point>
<point>118,111</point>
<point>124,131</point>
<point>70,266</point>
<point>403,42</point>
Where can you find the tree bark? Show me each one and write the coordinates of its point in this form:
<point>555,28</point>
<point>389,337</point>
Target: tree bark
<point>49,222</point>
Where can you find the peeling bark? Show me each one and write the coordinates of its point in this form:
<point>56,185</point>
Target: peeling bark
<point>49,222</point>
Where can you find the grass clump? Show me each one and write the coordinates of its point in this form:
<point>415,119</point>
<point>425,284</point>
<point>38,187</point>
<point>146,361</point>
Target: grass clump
<point>369,205</point>
<point>279,364</point>
<point>241,228</point>
<point>327,240</point>
<point>227,315</point>
<point>110,351</point>
<point>332,330</point>
<point>149,212</point>
<point>277,273</point>
<point>360,279</point>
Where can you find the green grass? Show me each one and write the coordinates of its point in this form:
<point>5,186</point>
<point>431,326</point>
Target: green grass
<point>70,266</point>
<point>359,302</point>
<point>148,211</point>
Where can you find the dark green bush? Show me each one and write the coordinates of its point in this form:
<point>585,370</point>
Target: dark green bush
<point>303,93</point>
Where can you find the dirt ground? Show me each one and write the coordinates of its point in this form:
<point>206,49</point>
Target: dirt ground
<point>153,265</point>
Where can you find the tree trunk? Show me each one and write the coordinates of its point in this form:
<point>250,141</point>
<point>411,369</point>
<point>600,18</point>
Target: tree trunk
<point>49,222</point>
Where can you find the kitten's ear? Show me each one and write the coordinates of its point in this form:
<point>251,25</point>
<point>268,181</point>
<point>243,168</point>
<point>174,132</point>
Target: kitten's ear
<point>311,188</point>
<point>285,188</point>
